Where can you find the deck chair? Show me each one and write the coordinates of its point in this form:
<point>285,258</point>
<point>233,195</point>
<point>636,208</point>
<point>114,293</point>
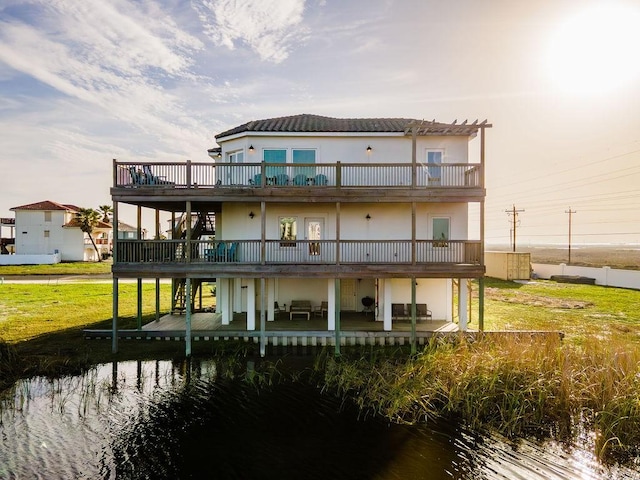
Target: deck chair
<point>282,179</point>
<point>150,178</point>
<point>136,177</point>
<point>422,311</point>
<point>257,180</point>
<point>231,253</point>
<point>321,179</point>
<point>397,311</point>
<point>300,180</point>
<point>221,254</point>
<point>320,310</point>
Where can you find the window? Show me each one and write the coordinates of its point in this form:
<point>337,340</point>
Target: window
<point>305,156</point>
<point>46,234</point>
<point>440,232</point>
<point>288,231</point>
<point>47,216</point>
<point>274,156</point>
<point>434,159</point>
<point>234,175</point>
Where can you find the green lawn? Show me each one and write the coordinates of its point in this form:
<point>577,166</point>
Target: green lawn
<point>580,311</point>
<point>67,268</point>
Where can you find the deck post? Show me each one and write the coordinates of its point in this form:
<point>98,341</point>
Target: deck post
<point>263,349</point>
<point>463,293</point>
<point>337,313</point>
<point>413,315</point>
<point>157,299</point>
<point>114,331</point>
<point>187,306</point>
<point>481,304</point>
<point>251,304</point>
<point>139,317</point>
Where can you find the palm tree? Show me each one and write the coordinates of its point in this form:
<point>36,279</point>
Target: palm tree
<point>105,210</point>
<point>88,218</point>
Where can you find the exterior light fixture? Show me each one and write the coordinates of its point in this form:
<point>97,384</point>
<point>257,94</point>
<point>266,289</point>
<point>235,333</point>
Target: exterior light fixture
<point>251,214</point>
<point>369,149</point>
<point>251,149</point>
<point>368,217</point>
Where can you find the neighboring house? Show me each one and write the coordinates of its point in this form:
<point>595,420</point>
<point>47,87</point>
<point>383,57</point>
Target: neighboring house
<point>7,244</point>
<point>344,215</point>
<point>47,227</point>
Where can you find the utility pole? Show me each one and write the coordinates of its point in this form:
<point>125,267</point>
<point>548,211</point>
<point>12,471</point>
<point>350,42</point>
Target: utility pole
<point>570,212</point>
<point>514,213</point>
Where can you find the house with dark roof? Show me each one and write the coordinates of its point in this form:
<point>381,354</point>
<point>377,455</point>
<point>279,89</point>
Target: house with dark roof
<point>316,231</point>
<point>48,228</point>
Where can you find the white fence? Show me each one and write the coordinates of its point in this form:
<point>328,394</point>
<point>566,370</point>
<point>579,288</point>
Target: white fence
<point>29,259</point>
<point>606,276</point>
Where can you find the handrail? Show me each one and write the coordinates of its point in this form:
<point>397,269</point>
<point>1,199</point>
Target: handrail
<point>310,252</point>
<point>277,175</point>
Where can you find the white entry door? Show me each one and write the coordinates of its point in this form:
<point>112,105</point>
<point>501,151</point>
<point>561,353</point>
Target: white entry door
<point>314,228</point>
<point>348,294</point>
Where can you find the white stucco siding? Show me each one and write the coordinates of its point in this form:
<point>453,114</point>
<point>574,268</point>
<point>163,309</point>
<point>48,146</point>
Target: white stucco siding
<point>436,293</point>
<point>37,236</point>
<point>387,222</point>
<point>351,148</point>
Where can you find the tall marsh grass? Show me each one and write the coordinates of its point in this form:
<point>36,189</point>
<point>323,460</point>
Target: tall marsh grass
<point>515,384</point>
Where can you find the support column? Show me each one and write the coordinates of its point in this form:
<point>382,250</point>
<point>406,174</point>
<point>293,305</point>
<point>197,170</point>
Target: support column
<point>114,328</point>
<point>222,294</point>
<point>251,304</point>
<point>157,237</point>
<point>263,318</point>
<point>463,294</point>
<point>337,312</point>
<point>187,305</point>
<point>237,294</point>
<point>413,315</point>
<point>331,304</point>
<point>271,298</point>
<point>139,316</point>
<point>386,292</point>
<point>481,304</point>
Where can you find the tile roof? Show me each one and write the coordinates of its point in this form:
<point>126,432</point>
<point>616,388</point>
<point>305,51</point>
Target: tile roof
<point>306,123</point>
<point>46,205</point>
<point>75,222</point>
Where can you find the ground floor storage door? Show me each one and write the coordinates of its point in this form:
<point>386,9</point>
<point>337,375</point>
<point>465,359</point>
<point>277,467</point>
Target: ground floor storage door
<point>348,294</point>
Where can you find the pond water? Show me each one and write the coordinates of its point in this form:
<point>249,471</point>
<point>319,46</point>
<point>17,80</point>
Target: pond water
<point>161,419</point>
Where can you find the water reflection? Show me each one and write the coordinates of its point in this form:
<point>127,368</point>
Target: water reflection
<point>231,419</point>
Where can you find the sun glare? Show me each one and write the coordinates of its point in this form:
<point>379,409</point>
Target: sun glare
<point>596,50</point>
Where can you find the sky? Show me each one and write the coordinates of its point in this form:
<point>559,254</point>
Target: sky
<point>83,82</point>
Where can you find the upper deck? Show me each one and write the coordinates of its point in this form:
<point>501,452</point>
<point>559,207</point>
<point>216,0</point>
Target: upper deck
<point>155,184</point>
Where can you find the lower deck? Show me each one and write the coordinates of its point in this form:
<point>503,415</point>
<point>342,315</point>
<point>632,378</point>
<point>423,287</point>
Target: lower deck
<point>356,328</point>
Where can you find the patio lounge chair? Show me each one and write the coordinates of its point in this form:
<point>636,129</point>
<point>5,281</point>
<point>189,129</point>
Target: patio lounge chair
<point>321,179</point>
<point>397,311</point>
<point>151,179</point>
<point>282,179</point>
<point>257,180</point>
<point>300,180</point>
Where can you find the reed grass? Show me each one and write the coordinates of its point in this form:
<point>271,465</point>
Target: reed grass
<point>517,385</point>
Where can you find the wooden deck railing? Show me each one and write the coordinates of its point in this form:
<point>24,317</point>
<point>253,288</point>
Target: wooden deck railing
<point>261,175</point>
<point>323,252</point>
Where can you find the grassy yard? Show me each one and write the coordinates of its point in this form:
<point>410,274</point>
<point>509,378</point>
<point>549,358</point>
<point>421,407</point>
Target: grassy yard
<point>580,311</point>
<point>67,268</point>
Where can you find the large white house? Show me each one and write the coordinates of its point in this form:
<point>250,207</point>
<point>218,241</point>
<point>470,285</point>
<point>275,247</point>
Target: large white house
<point>46,228</point>
<point>329,216</point>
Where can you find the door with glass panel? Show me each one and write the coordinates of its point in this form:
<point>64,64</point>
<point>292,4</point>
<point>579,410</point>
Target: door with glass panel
<point>234,171</point>
<point>314,228</point>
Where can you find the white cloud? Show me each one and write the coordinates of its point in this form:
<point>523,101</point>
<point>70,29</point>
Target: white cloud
<point>269,27</point>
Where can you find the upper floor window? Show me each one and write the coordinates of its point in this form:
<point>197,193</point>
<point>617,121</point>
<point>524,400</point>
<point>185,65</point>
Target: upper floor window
<point>46,234</point>
<point>235,157</point>
<point>434,170</point>
<point>47,216</point>
<point>272,156</point>
<point>305,156</point>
